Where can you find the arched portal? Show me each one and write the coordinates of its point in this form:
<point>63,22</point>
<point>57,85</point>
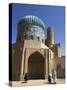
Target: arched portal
<point>36,66</point>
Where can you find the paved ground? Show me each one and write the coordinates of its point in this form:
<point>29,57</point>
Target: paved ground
<point>35,82</point>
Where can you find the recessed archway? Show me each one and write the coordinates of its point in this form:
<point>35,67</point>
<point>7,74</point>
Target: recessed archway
<point>36,66</point>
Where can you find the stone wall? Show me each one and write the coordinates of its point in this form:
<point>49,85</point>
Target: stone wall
<point>61,67</point>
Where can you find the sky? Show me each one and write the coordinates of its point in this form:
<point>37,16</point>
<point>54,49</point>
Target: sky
<point>53,16</point>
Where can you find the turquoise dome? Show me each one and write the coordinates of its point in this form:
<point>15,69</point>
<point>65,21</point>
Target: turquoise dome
<point>29,19</point>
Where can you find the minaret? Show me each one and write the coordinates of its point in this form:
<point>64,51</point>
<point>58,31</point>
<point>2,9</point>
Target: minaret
<point>50,36</point>
<point>50,43</point>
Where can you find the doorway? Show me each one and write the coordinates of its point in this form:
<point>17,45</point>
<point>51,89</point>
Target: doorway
<point>36,66</point>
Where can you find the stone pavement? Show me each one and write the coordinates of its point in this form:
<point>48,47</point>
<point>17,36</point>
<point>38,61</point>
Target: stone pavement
<point>35,82</point>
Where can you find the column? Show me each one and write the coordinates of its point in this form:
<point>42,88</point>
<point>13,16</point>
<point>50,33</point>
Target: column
<point>22,66</point>
<point>46,63</point>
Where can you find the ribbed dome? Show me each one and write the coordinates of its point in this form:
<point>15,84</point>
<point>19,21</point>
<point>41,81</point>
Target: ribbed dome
<point>29,19</point>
